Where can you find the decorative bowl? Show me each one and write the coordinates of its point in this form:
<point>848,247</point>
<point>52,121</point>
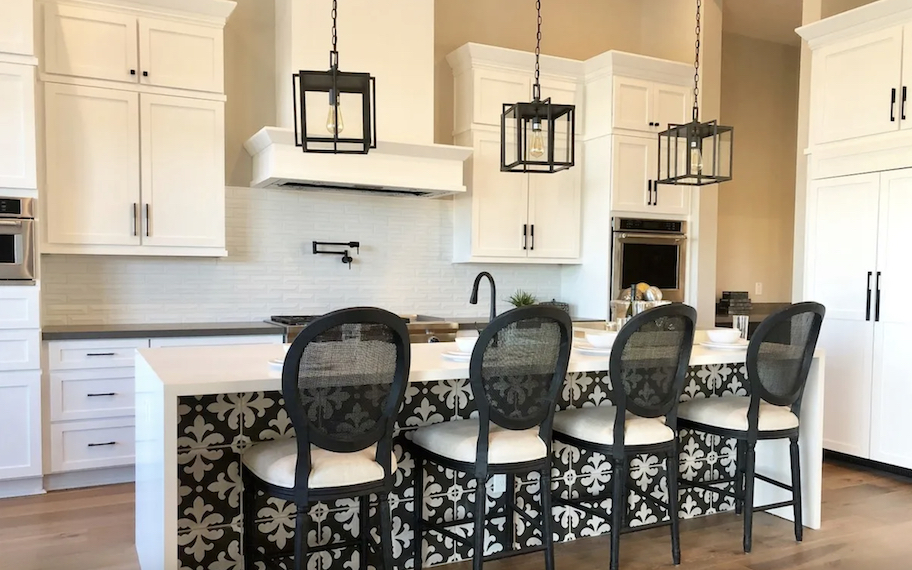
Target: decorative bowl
<point>601,339</point>
<point>723,335</point>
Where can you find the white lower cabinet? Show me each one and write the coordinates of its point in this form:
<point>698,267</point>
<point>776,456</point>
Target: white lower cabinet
<point>20,424</point>
<point>88,394</point>
<point>92,444</point>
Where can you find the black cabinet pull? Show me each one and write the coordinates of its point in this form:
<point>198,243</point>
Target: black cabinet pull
<point>902,107</point>
<point>655,192</point>
<point>132,72</point>
<point>145,74</point>
<point>877,299</point>
<point>525,235</point>
<point>868,301</point>
<point>649,192</point>
<point>102,444</point>
<point>101,353</point>
<point>532,236</point>
<point>893,105</point>
<point>135,218</point>
<point>101,394</point>
<point>148,221</point>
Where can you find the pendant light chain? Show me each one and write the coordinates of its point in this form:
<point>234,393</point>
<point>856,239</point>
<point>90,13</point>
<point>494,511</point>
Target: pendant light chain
<point>696,110</point>
<point>334,57</point>
<point>536,88</point>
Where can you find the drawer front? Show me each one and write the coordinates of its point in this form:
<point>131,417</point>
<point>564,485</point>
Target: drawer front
<point>92,445</point>
<point>91,394</point>
<point>19,349</point>
<point>18,307</point>
<point>81,354</point>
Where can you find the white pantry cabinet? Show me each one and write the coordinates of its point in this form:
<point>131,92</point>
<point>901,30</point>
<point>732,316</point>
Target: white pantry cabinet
<point>16,28</point>
<point>17,125</point>
<point>110,44</point>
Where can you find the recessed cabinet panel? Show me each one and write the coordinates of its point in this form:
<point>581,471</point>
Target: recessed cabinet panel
<point>17,125</point>
<point>181,55</point>
<point>493,90</point>
<point>632,104</point>
<point>634,167</point>
<point>500,203</point>
<point>672,104</point>
<point>89,43</point>
<point>92,200</point>
<point>20,424</point>
<point>183,169</point>
<point>19,307</point>
<point>16,28</point>
<point>19,349</point>
<point>554,214</point>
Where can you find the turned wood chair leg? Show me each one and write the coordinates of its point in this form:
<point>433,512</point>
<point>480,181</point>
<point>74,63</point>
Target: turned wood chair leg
<point>547,518</point>
<point>671,472</point>
<point>300,540</point>
<point>386,533</point>
<point>749,460</point>
<point>796,488</point>
<point>480,500</point>
<point>618,508</point>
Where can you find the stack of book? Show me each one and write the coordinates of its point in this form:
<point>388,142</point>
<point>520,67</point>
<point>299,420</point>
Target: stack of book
<point>734,303</point>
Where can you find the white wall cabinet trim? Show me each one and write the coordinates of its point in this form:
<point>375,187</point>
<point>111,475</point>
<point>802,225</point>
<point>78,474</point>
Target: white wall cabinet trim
<point>20,424</point>
<point>17,125</point>
<point>19,307</point>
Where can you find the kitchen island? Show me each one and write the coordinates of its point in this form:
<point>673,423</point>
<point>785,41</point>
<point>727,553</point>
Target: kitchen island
<point>199,408</point>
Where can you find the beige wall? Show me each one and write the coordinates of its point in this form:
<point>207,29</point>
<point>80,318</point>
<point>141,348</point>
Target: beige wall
<point>832,7</point>
<point>756,209</point>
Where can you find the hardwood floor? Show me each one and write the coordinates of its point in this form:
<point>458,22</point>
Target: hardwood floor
<point>867,525</point>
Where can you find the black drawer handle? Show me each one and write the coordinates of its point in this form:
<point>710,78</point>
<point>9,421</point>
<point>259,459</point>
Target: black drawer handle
<point>102,444</point>
<point>101,354</point>
<point>101,394</point>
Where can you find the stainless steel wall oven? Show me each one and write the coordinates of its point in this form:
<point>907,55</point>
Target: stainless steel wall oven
<point>649,251</point>
<point>17,241</point>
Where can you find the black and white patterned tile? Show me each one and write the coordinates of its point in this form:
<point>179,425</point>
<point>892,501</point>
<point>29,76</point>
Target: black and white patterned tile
<point>210,548</point>
<point>209,482</point>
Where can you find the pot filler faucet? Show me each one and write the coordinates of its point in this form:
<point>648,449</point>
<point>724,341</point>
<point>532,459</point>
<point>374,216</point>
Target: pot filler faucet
<point>474,298</point>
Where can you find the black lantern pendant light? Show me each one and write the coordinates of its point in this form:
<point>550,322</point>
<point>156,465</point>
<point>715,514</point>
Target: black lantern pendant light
<point>318,125</point>
<point>696,154</point>
<point>538,136</point>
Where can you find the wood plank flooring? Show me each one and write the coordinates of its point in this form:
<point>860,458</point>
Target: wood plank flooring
<point>867,525</point>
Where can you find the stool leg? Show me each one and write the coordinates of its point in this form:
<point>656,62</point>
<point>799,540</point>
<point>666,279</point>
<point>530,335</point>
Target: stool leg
<point>739,476</point>
<point>386,533</point>
<point>364,515</point>
<point>480,500</point>
<point>749,458</point>
<point>796,488</point>
<point>248,493</point>
<point>671,472</point>
<point>508,512</point>
<point>547,518</point>
<point>302,521</point>
<point>419,510</point>
<point>618,508</point>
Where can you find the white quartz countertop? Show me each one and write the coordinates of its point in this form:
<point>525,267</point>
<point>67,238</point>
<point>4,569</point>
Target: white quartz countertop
<point>199,370</point>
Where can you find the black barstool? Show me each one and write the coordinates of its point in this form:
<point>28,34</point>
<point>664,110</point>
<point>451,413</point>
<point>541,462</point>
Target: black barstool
<point>648,363</point>
<point>517,368</point>
<point>778,360</point>
<point>343,383</point>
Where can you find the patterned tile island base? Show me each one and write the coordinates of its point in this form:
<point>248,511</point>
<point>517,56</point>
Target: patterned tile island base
<point>214,430</point>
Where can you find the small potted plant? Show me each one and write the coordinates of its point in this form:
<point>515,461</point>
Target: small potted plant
<point>522,299</point>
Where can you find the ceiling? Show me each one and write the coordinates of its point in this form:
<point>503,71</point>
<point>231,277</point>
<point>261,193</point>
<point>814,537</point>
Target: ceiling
<point>770,20</point>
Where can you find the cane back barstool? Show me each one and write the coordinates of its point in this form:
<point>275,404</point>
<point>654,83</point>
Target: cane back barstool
<point>343,382</point>
<point>647,366</point>
<point>778,361</point>
<point>516,371</point>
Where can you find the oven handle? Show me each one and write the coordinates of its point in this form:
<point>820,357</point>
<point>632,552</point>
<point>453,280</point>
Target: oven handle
<point>17,224</point>
<point>653,236</point>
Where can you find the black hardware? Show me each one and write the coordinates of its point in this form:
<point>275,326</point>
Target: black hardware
<point>868,301</point>
<point>100,353</point>
<point>649,187</point>
<point>655,192</point>
<point>532,236</point>
<point>135,216</point>
<point>132,72</point>
<point>102,444</point>
<point>145,74</point>
<point>148,220</point>
<point>877,301</point>
<point>902,108</point>
<point>101,394</point>
<point>525,229</point>
<point>346,258</point>
<point>893,104</point>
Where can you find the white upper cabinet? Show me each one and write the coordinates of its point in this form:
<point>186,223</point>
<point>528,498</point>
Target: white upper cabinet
<point>672,104</point>
<point>905,98</point>
<point>88,43</point>
<point>92,188</point>
<point>16,28</point>
<point>183,171</point>
<point>856,86</point>
<point>554,214</point>
<point>182,56</point>
<point>17,126</point>
<point>632,104</point>
<point>634,168</point>
<point>499,203</point>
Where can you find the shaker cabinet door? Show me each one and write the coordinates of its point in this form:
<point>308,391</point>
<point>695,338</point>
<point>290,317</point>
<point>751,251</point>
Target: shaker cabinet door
<point>632,104</point>
<point>499,203</point>
<point>20,422</point>
<point>82,42</point>
<point>183,56</point>
<point>17,126</point>
<point>16,28</point>
<point>634,168</point>
<point>554,214</point>
<point>672,104</point>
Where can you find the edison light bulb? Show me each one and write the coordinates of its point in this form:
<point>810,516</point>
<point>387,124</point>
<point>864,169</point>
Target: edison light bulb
<point>537,146</point>
<point>331,124</point>
<point>696,158</point>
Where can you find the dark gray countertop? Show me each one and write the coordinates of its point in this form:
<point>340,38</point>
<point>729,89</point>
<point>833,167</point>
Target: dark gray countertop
<point>80,332</point>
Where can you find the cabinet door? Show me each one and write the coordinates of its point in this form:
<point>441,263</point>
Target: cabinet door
<point>841,251</point>
<point>634,169</point>
<point>671,104</point>
<point>183,171</point>
<point>670,199</point>
<point>184,56</point>
<point>891,422</point>
<point>554,214</point>
<point>20,422</point>
<point>16,27</point>
<point>499,203</point>
<point>92,138</point>
<point>854,87</point>
<point>632,104</point>
<point>17,126</point>
<point>905,109</point>
<point>89,43</point>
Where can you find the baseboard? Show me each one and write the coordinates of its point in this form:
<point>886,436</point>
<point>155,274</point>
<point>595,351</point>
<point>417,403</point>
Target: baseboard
<point>869,463</point>
<point>21,487</point>
<point>90,478</point>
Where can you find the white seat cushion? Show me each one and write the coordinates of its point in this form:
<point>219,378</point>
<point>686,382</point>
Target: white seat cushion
<point>597,426</point>
<point>274,462</point>
<point>458,440</point>
<point>730,412</point>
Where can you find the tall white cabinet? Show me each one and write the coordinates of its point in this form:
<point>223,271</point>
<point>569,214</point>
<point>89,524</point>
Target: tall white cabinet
<point>141,88</point>
<point>859,203</point>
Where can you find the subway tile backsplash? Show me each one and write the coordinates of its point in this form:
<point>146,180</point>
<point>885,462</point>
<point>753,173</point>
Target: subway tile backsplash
<point>404,266</point>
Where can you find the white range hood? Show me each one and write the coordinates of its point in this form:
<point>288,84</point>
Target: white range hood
<point>394,41</point>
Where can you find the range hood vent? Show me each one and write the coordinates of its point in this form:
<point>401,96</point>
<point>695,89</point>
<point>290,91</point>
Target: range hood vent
<point>354,189</point>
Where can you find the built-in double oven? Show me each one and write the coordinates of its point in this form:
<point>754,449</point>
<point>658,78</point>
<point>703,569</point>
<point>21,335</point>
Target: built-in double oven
<point>17,241</point>
<point>649,251</point>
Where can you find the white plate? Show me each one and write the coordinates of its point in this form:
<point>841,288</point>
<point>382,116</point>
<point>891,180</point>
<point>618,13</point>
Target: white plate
<point>277,364</point>
<point>589,350</point>
<point>740,344</point>
<point>457,356</point>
